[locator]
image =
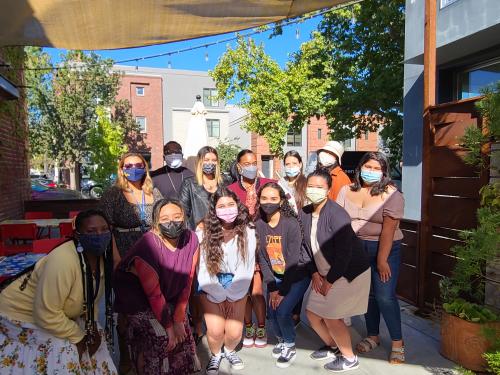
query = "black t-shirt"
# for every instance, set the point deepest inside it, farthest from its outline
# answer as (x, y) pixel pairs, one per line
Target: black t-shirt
(169, 180)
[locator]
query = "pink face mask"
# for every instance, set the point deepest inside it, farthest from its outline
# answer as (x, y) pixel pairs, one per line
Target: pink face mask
(227, 214)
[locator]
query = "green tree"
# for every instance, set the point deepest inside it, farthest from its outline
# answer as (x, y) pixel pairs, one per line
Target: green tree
(351, 71)
(227, 153)
(105, 142)
(64, 102)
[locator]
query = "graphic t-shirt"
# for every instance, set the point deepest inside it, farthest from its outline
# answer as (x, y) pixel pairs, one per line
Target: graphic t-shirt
(274, 248)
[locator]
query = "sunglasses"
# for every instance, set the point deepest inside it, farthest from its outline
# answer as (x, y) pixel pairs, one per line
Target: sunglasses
(131, 165)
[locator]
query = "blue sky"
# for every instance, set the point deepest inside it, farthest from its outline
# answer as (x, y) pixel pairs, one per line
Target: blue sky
(278, 47)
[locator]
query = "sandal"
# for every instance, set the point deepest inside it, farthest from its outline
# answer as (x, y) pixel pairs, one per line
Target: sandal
(366, 345)
(397, 356)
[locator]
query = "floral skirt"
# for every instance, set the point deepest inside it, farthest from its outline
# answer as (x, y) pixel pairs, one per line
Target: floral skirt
(26, 349)
(147, 338)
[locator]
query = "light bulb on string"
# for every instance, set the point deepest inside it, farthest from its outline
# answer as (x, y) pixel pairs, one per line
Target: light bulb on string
(297, 33)
(136, 64)
(169, 65)
(206, 56)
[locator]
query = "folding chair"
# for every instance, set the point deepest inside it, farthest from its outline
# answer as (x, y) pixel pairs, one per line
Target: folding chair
(45, 246)
(15, 237)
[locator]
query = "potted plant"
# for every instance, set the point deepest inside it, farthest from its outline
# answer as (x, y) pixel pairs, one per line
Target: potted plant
(470, 330)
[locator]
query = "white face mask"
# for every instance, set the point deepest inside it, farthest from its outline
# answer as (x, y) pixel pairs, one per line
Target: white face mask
(316, 195)
(326, 159)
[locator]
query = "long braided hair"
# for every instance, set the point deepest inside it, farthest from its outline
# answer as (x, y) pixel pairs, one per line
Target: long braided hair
(213, 235)
(89, 295)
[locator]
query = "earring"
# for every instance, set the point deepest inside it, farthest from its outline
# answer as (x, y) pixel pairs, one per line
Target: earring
(79, 248)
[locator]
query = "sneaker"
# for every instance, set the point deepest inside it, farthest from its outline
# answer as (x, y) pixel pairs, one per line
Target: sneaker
(341, 364)
(348, 322)
(288, 355)
(213, 365)
(325, 352)
(260, 338)
(249, 339)
(234, 360)
(277, 349)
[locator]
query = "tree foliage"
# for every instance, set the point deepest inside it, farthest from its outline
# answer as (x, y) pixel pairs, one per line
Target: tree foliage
(64, 103)
(227, 152)
(351, 71)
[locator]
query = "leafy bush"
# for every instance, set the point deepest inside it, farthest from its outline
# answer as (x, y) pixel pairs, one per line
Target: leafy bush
(470, 311)
(493, 360)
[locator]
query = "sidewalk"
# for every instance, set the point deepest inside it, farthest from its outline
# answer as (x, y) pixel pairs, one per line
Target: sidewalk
(421, 341)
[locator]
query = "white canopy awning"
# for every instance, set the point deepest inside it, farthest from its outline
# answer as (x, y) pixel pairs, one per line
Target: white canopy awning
(109, 24)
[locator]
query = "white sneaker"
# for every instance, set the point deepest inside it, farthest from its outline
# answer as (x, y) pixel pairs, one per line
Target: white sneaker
(249, 337)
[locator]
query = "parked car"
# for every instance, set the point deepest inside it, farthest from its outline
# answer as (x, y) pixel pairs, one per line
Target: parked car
(46, 182)
(90, 188)
(42, 192)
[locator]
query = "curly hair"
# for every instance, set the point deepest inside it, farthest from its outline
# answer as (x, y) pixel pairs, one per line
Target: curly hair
(213, 236)
(285, 208)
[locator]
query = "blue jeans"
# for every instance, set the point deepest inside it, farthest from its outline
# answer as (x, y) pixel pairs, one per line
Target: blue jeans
(383, 295)
(281, 318)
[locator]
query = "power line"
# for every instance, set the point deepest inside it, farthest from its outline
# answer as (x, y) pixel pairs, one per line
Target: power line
(259, 30)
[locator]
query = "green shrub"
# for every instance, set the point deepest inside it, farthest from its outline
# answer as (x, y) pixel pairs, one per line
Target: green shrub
(470, 311)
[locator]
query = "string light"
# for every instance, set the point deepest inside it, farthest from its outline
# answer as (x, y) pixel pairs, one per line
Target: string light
(206, 56)
(297, 33)
(260, 30)
(169, 65)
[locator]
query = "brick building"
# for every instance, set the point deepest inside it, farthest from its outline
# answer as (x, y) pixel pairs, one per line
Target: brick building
(14, 182)
(146, 99)
(311, 138)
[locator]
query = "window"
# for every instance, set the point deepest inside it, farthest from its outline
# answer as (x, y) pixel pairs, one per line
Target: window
(139, 91)
(472, 81)
(367, 134)
(445, 3)
(210, 98)
(347, 143)
(319, 133)
(213, 128)
(294, 139)
(141, 121)
(267, 165)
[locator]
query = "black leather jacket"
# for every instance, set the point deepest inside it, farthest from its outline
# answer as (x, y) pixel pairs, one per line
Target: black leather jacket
(195, 200)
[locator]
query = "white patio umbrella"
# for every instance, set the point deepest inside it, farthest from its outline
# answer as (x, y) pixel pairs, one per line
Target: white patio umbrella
(196, 134)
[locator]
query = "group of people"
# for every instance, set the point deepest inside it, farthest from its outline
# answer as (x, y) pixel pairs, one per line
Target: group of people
(179, 254)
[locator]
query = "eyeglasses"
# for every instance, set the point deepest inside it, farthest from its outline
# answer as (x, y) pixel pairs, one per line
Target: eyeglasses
(132, 165)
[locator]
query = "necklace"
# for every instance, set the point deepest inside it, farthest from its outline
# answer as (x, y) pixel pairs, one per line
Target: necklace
(172, 182)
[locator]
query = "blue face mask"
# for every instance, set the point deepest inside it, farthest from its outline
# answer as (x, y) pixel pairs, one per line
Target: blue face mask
(370, 177)
(134, 174)
(292, 171)
(95, 244)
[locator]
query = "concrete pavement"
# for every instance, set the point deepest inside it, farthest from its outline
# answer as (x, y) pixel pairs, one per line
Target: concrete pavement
(421, 342)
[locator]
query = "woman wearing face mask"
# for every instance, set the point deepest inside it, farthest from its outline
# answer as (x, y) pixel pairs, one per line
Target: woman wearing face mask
(195, 197)
(280, 237)
(196, 191)
(330, 159)
(340, 273)
(227, 263)
(152, 286)
(128, 205)
(246, 189)
(48, 315)
(376, 207)
(294, 182)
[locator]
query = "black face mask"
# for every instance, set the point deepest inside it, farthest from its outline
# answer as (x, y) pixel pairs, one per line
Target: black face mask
(95, 244)
(172, 229)
(270, 208)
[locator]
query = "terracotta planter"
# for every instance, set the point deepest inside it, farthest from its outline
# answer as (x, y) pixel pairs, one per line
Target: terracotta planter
(463, 342)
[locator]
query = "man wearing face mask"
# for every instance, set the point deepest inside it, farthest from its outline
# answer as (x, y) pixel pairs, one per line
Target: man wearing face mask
(168, 179)
(330, 159)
